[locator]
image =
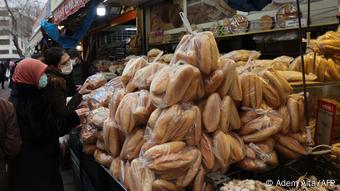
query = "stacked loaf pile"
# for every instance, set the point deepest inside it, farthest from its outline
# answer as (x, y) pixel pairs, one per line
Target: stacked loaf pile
(167, 125)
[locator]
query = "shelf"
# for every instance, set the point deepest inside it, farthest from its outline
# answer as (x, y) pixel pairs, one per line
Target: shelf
(114, 179)
(251, 33)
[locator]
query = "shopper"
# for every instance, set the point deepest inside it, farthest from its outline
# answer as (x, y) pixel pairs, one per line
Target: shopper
(10, 141)
(36, 167)
(58, 68)
(77, 62)
(2, 74)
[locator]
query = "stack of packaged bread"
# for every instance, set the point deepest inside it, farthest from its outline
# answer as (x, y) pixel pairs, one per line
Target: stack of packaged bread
(166, 125)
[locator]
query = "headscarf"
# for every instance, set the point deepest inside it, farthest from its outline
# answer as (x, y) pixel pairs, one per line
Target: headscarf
(29, 71)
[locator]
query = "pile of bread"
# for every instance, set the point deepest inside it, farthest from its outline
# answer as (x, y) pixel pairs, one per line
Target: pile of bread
(167, 125)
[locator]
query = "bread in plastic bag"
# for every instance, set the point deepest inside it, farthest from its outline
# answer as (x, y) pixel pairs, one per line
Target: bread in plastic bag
(296, 111)
(115, 167)
(134, 109)
(132, 145)
(170, 84)
(212, 112)
(184, 180)
(111, 138)
(89, 148)
(173, 124)
(99, 116)
(129, 72)
(100, 145)
(88, 134)
(95, 81)
(200, 50)
(143, 77)
(260, 156)
(242, 55)
(291, 146)
(141, 177)
(206, 148)
(102, 158)
(267, 124)
(99, 97)
(229, 85)
(252, 90)
(229, 117)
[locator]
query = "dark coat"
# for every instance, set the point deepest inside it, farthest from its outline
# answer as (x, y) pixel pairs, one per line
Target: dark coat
(37, 165)
(10, 141)
(56, 92)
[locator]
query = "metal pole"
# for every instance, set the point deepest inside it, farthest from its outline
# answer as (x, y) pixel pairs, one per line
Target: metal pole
(303, 65)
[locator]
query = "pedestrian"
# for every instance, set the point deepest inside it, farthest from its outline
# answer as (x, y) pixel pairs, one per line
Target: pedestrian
(37, 165)
(77, 62)
(2, 74)
(59, 67)
(10, 141)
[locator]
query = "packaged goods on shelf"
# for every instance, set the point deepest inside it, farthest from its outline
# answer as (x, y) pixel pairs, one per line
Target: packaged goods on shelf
(96, 81)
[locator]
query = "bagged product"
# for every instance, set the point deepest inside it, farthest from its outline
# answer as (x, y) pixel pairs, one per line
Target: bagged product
(242, 55)
(252, 91)
(134, 109)
(296, 111)
(173, 124)
(88, 134)
(103, 158)
(141, 178)
(197, 49)
(129, 72)
(111, 138)
(95, 81)
(99, 116)
(259, 156)
(132, 145)
(266, 123)
(144, 76)
(291, 146)
(170, 84)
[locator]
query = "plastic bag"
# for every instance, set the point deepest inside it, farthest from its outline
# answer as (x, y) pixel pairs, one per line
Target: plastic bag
(173, 124)
(95, 81)
(144, 76)
(259, 156)
(99, 97)
(111, 138)
(242, 55)
(88, 134)
(291, 146)
(171, 85)
(266, 124)
(129, 72)
(102, 158)
(296, 110)
(99, 116)
(252, 90)
(197, 49)
(141, 178)
(132, 145)
(134, 109)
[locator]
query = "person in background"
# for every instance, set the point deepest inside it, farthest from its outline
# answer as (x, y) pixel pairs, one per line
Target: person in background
(36, 167)
(2, 74)
(38, 56)
(10, 140)
(77, 62)
(59, 67)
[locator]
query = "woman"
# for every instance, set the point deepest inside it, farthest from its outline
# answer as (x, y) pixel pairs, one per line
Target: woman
(36, 166)
(10, 140)
(59, 85)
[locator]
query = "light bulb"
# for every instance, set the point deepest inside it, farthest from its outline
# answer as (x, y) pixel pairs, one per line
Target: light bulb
(101, 10)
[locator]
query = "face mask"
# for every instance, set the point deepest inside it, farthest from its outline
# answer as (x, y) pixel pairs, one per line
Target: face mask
(73, 62)
(67, 69)
(43, 81)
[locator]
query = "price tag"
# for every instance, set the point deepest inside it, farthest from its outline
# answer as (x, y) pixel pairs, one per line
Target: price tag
(295, 23)
(325, 122)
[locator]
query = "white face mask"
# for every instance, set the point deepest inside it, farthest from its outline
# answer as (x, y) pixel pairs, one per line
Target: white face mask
(67, 69)
(73, 62)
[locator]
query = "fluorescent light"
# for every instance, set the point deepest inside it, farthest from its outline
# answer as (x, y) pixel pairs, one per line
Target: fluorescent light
(60, 27)
(101, 10)
(130, 29)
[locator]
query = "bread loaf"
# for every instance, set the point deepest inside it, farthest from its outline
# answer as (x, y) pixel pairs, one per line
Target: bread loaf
(115, 167)
(129, 71)
(211, 113)
(221, 148)
(195, 131)
(199, 182)
(163, 185)
(163, 149)
(291, 144)
(229, 119)
(286, 152)
(141, 178)
(229, 70)
(102, 158)
(235, 90)
(183, 160)
(144, 76)
(185, 180)
(111, 138)
(283, 110)
(132, 145)
(236, 147)
(212, 82)
(206, 148)
(173, 124)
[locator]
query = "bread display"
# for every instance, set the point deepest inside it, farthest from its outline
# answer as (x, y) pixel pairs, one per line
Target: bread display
(199, 50)
(129, 72)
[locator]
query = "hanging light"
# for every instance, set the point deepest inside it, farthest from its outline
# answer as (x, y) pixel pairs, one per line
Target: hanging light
(101, 10)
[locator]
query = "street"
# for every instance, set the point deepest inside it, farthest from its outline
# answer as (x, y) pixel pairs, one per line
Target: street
(4, 93)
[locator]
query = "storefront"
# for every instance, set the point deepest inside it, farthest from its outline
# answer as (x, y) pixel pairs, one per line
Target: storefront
(208, 95)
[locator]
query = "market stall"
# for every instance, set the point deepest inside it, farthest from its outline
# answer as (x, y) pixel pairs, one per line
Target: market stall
(202, 118)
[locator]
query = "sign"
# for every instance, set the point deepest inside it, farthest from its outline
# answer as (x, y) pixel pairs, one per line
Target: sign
(67, 8)
(54, 4)
(325, 122)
